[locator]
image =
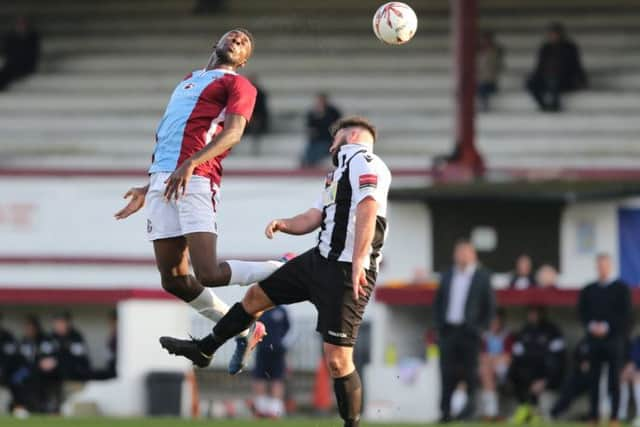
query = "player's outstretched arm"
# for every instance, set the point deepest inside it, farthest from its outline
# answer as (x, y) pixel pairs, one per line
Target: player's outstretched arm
(234, 125)
(137, 195)
(366, 214)
(297, 225)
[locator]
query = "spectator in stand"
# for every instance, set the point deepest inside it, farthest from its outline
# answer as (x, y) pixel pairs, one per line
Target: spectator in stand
(270, 369)
(488, 68)
(523, 275)
(495, 359)
(259, 124)
(547, 277)
(558, 69)
(579, 380)
(538, 363)
(463, 307)
(21, 52)
(321, 116)
(73, 353)
(41, 386)
(110, 370)
(605, 311)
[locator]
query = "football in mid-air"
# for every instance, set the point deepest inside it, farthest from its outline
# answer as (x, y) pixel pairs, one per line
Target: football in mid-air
(395, 23)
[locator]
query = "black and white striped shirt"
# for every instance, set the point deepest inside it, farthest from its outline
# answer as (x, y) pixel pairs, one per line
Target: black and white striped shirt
(360, 174)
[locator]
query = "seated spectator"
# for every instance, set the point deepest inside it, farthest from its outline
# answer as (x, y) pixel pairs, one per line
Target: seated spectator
(523, 275)
(538, 363)
(558, 70)
(495, 359)
(547, 277)
(21, 52)
(578, 382)
(321, 116)
(109, 371)
(73, 353)
(488, 68)
(259, 124)
(40, 387)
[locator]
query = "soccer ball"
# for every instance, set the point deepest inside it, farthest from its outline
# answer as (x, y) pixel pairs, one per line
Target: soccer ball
(395, 23)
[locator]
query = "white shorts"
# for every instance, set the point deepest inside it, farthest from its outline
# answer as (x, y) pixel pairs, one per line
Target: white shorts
(193, 212)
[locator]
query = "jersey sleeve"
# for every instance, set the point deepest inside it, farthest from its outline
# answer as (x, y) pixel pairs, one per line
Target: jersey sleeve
(368, 179)
(241, 97)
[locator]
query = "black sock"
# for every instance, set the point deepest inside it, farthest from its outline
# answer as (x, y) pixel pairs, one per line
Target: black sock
(348, 390)
(231, 324)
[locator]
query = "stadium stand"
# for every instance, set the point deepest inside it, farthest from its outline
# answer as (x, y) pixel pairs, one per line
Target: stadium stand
(108, 69)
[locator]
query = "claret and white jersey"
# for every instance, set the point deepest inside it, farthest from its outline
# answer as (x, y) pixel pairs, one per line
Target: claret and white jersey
(359, 174)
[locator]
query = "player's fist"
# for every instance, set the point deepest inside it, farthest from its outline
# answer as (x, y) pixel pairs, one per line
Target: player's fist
(137, 195)
(273, 227)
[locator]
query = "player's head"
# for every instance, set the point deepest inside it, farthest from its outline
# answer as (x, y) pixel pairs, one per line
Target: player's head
(351, 130)
(234, 48)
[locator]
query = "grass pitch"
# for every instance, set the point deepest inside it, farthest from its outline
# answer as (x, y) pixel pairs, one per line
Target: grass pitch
(174, 422)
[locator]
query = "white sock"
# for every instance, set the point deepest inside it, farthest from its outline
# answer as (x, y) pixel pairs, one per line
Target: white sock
(209, 305)
(261, 403)
(276, 407)
(624, 401)
(490, 403)
(636, 396)
(245, 273)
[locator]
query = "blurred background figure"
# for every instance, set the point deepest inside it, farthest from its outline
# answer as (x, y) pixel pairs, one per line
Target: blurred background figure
(260, 120)
(8, 362)
(558, 69)
(547, 277)
(463, 307)
(109, 371)
(21, 52)
(270, 370)
(488, 68)
(578, 382)
(538, 363)
(319, 119)
(73, 354)
(605, 311)
(523, 277)
(495, 359)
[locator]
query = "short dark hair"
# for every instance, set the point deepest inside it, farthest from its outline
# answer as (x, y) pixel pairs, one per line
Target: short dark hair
(248, 34)
(353, 121)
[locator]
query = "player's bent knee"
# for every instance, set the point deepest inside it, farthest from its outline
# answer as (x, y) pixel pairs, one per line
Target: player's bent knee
(339, 360)
(256, 300)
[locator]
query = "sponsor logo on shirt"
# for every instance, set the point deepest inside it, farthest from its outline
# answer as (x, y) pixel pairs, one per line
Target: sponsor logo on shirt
(188, 86)
(368, 180)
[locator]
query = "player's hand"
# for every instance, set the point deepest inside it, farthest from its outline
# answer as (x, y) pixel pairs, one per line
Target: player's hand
(178, 180)
(273, 227)
(359, 280)
(137, 195)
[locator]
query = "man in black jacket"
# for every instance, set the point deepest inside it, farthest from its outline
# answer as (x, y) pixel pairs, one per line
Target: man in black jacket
(605, 312)
(463, 308)
(558, 69)
(73, 353)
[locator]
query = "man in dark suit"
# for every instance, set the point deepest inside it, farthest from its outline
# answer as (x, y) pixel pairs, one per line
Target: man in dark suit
(463, 308)
(605, 312)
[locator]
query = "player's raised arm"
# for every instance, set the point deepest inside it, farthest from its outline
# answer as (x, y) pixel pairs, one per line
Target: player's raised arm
(297, 225)
(137, 195)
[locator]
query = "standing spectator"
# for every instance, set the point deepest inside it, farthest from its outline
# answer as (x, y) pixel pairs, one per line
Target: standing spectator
(270, 370)
(495, 359)
(259, 124)
(73, 353)
(489, 66)
(538, 363)
(547, 277)
(21, 52)
(558, 69)
(463, 307)
(605, 312)
(321, 116)
(579, 380)
(523, 275)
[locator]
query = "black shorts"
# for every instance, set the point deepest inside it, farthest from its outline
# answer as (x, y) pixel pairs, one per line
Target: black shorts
(270, 365)
(327, 285)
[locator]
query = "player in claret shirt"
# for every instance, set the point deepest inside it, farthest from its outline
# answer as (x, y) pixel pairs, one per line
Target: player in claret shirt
(206, 116)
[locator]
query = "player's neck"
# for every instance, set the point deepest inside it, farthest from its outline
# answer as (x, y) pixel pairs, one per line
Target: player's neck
(217, 65)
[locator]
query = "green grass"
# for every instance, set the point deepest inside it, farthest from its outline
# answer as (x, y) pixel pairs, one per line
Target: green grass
(173, 422)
